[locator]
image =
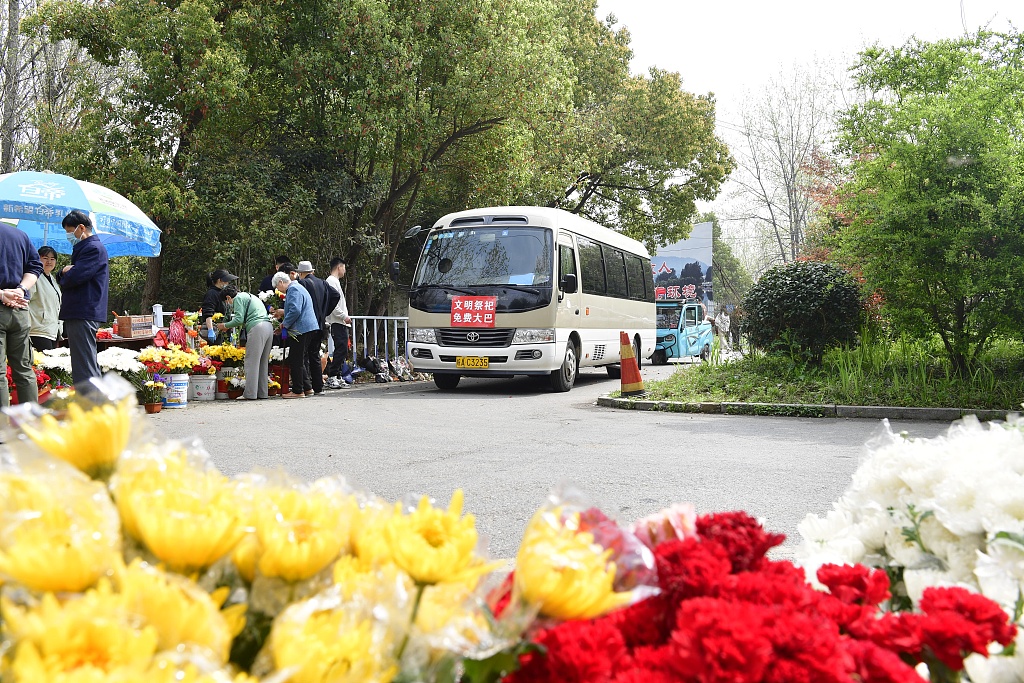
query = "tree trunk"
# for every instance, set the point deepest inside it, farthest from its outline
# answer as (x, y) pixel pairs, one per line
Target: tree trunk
(151, 293)
(12, 70)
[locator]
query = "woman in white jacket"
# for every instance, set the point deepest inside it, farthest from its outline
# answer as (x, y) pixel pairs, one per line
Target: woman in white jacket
(44, 306)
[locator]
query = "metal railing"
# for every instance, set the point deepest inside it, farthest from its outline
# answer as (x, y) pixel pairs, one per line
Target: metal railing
(380, 336)
(384, 335)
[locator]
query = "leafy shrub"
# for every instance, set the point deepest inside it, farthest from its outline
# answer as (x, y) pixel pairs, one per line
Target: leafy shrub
(803, 308)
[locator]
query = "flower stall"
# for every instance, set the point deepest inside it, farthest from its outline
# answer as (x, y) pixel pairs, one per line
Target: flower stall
(173, 364)
(231, 358)
(124, 557)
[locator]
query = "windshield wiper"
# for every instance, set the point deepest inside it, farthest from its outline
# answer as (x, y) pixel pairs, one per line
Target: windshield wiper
(419, 288)
(521, 288)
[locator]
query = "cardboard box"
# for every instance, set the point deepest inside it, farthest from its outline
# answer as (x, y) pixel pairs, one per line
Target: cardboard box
(134, 326)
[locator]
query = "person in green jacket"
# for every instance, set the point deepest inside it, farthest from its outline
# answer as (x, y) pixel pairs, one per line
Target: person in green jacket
(250, 314)
(44, 306)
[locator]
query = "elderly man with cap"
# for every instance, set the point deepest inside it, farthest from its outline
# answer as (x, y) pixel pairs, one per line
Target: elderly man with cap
(19, 268)
(317, 289)
(213, 303)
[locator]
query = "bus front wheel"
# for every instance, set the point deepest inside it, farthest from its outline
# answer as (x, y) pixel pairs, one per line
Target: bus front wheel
(564, 377)
(659, 358)
(446, 381)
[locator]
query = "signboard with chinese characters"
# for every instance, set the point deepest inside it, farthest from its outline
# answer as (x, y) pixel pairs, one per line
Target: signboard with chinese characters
(473, 311)
(683, 270)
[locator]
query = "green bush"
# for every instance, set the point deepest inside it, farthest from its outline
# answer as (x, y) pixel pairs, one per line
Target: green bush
(803, 308)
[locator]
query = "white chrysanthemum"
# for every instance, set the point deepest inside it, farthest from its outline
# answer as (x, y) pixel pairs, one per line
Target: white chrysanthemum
(56, 359)
(995, 668)
(119, 360)
(917, 580)
(1000, 571)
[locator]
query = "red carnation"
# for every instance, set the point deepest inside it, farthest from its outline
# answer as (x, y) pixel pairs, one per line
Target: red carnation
(776, 584)
(899, 633)
(646, 623)
(717, 641)
(806, 648)
(986, 614)
(856, 584)
(499, 597)
(950, 638)
(577, 651)
(874, 664)
(740, 535)
(642, 675)
(690, 568)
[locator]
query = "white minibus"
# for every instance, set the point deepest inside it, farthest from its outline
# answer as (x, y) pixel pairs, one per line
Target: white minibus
(522, 290)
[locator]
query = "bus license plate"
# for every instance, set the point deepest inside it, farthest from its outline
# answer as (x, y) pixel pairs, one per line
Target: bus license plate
(472, 361)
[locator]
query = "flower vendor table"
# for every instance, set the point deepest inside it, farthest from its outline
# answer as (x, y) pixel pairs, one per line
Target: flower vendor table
(137, 343)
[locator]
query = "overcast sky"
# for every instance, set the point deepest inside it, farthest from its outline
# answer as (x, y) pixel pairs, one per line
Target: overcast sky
(725, 46)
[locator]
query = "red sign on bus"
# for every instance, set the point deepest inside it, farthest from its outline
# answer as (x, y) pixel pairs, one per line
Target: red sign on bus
(473, 311)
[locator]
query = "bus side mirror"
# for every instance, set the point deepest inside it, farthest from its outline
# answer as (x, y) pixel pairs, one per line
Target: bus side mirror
(568, 284)
(393, 270)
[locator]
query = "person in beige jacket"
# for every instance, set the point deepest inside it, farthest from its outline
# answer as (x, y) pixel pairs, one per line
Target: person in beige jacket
(44, 307)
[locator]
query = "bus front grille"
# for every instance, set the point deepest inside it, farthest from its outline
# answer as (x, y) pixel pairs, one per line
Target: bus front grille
(460, 336)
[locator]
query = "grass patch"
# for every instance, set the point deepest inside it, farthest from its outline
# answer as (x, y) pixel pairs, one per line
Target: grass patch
(876, 373)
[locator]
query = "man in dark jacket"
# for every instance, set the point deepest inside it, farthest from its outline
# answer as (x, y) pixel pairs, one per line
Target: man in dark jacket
(84, 283)
(267, 284)
(317, 289)
(19, 268)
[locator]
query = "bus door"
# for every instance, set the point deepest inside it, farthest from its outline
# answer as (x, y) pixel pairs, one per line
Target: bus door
(567, 316)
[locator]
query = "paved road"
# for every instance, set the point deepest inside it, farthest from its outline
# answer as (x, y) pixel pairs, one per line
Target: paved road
(508, 442)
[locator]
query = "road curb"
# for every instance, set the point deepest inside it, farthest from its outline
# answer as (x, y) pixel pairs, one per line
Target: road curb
(802, 410)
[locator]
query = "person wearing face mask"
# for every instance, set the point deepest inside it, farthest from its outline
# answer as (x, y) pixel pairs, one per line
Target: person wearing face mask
(84, 285)
(213, 303)
(44, 307)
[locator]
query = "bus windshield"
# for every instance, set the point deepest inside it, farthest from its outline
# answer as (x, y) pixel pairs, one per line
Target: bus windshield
(486, 256)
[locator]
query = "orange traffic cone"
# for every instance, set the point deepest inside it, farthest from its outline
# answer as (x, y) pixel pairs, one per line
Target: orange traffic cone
(632, 383)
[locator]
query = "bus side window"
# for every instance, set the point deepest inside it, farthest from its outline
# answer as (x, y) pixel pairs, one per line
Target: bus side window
(615, 271)
(591, 265)
(635, 278)
(566, 261)
(648, 279)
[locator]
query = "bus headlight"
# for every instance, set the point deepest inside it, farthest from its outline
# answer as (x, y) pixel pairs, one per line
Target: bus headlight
(534, 335)
(423, 335)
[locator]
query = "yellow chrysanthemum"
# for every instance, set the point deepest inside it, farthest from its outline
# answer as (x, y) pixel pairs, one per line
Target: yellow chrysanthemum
(563, 571)
(167, 670)
(57, 533)
(91, 638)
(368, 540)
(450, 619)
(300, 532)
(180, 611)
(245, 556)
(331, 646)
(91, 439)
(373, 583)
(433, 545)
(188, 517)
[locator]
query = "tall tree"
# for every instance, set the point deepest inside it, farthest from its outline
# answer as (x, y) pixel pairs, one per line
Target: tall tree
(780, 129)
(936, 198)
(731, 279)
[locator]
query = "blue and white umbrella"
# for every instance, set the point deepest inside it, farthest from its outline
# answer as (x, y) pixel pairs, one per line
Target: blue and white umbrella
(39, 202)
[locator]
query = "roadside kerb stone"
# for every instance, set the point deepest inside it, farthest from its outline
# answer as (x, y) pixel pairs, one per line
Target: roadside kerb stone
(801, 410)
